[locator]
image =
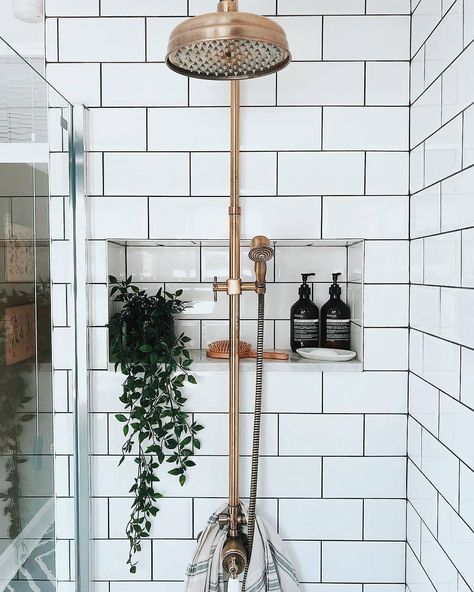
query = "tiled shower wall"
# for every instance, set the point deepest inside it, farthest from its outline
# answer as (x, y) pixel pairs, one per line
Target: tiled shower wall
(325, 155)
(441, 393)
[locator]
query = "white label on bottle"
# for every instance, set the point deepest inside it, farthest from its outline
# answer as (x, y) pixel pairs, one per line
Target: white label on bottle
(338, 330)
(306, 329)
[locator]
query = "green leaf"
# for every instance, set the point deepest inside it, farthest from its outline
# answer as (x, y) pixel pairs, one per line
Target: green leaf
(145, 348)
(191, 379)
(121, 418)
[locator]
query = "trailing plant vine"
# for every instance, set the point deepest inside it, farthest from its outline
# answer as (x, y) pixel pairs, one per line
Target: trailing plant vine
(13, 399)
(156, 364)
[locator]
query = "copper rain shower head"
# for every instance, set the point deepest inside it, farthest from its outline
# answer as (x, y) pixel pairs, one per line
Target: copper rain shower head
(228, 45)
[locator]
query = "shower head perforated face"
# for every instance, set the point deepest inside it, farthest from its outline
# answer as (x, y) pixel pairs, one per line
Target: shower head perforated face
(260, 250)
(228, 46)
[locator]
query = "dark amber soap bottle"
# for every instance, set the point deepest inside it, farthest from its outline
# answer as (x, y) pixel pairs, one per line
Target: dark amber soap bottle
(304, 319)
(335, 319)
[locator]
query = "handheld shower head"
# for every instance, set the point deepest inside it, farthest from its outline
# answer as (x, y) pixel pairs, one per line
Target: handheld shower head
(260, 252)
(260, 249)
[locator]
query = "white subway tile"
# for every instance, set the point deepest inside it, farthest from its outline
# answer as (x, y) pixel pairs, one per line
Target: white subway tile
(366, 38)
(416, 577)
(51, 40)
(365, 128)
(426, 212)
(468, 259)
(94, 180)
(82, 40)
(117, 129)
(413, 530)
(387, 83)
(385, 435)
(368, 217)
(441, 467)
(364, 477)
(115, 261)
(423, 496)
(425, 18)
(467, 377)
(146, 173)
(385, 349)
(387, 173)
(135, 85)
(303, 34)
(426, 114)
(457, 539)
(385, 306)
(215, 437)
(163, 264)
(337, 435)
(425, 308)
(98, 348)
(110, 560)
(80, 83)
(385, 520)
(468, 137)
(321, 7)
(444, 44)
(158, 32)
(423, 405)
(417, 168)
(171, 558)
(466, 498)
(369, 392)
(263, 128)
(458, 83)
(436, 563)
(98, 305)
(443, 152)
(174, 520)
(442, 259)
(119, 217)
(417, 75)
(468, 21)
(416, 351)
(210, 173)
(74, 8)
(441, 364)
(388, 7)
(215, 261)
(364, 562)
(321, 173)
(259, 91)
(417, 272)
(306, 557)
(457, 209)
(143, 7)
(455, 327)
(456, 428)
(386, 262)
(322, 519)
(289, 260)
(62, 354)
(321, 83)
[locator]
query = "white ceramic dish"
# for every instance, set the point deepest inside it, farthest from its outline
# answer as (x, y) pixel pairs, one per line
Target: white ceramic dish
(324, 354)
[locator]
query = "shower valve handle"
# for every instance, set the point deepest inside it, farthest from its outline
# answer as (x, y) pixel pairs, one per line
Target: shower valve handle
(214, 287)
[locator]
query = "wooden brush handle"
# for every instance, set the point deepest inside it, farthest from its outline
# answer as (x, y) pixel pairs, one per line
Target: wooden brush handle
(269, 355)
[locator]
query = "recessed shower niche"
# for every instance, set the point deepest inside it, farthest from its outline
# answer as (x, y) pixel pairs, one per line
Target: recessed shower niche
(192, 265)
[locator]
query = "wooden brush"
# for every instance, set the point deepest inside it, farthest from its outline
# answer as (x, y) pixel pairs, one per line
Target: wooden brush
(220, 349)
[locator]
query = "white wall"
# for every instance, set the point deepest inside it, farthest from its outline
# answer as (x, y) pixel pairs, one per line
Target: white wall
(325, 146)
(441, 404)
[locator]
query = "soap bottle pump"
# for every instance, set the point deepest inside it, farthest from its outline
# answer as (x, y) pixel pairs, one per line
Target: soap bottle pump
(304, 318)
(335, 319)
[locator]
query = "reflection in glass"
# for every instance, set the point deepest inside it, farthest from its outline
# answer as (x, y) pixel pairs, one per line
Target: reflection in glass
(27, 533)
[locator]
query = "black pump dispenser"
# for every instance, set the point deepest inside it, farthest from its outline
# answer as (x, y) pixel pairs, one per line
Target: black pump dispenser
(305, 290)
(335, 319)
(304, 318)
(335, 289)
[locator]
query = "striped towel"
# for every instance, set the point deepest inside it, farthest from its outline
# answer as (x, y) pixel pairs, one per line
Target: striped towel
(270, 569)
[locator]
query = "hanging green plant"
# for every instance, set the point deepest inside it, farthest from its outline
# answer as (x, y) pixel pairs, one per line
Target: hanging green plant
(157, 365)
